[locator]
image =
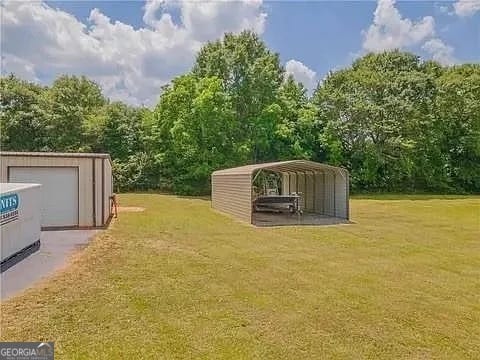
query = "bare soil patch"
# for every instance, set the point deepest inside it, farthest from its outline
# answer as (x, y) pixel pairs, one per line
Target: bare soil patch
(130, 209)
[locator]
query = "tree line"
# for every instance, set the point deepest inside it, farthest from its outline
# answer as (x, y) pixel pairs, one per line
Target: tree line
(397, 123)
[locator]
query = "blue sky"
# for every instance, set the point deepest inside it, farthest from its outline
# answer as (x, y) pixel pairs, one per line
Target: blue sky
(131, 63)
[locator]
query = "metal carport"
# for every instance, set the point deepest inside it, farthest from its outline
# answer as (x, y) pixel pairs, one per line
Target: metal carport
(325, 188)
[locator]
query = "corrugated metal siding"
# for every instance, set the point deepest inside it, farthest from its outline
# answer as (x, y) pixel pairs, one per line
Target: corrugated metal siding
(288, 183)
(324, 188)
(285, 184)
(319, 193)
(347, 179)
(306, 186)
(301, 189)
(108, 191)
(293, 183)
(309, 193)
(85, 179)
(329, 202)
(341, 179)
(98, 191)
(233, 194)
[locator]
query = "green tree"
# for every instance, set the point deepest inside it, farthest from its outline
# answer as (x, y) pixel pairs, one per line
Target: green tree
(23, 120)
(458, 126)
(375, 114)
(118, 130)
(251, 76)
(397, 123)
(197, 131)
(297, 128)
(73, 102)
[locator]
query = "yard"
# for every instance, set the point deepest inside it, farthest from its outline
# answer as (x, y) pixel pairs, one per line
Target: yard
(180, 280)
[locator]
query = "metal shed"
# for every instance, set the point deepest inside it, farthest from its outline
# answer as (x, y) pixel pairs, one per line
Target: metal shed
(324, 189)
(76, 187)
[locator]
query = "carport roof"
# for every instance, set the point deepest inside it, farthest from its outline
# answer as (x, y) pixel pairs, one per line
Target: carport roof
(280, 166)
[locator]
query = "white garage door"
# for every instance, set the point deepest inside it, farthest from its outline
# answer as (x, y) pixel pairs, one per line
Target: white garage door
(59, 192)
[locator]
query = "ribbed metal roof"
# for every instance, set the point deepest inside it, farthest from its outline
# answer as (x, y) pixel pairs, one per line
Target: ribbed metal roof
(54, 154)
(280, 166)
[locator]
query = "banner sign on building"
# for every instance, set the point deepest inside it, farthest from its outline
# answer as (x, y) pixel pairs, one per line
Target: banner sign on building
(8, 208)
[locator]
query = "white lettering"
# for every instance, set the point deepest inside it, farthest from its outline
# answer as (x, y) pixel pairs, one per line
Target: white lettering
(13, 352)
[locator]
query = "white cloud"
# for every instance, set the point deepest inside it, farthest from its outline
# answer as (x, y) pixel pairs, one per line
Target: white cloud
(444, 9)
(440, 51)
(18, 66)
(301, 73)
(390, 31)
(41, 42)
(466, 7)
(229, 16)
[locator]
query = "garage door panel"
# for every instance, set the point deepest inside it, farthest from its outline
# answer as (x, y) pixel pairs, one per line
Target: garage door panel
(59, 190)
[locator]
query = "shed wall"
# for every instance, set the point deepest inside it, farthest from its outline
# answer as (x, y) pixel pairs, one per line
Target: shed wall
(329, 199)
(309, 192)
(98, 191)
(341, 196)
(324, 192)
(232, 194)
(107, 189)
(89, 193)
(285, 184)
(319, 192)
(293, 182)
(85, 192)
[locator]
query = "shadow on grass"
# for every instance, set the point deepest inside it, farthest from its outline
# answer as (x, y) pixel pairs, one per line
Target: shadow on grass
(371, 196)
(411, 196)
(200, 197)
(153, 192)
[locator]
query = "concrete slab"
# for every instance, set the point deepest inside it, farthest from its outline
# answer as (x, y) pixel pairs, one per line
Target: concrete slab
(55, 248)
(285, 219)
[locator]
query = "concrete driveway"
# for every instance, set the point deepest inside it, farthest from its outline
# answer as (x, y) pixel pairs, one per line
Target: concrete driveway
(55, 248)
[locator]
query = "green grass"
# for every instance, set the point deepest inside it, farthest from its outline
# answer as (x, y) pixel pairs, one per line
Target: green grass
(393, 196)
(182, 281)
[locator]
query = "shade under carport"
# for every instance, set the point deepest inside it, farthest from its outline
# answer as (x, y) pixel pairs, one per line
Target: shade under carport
(325, 188)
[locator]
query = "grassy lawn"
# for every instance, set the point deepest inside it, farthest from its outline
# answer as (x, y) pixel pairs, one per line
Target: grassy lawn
(182, 281)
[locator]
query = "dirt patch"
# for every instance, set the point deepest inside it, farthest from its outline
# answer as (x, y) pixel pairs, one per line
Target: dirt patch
(130, 209)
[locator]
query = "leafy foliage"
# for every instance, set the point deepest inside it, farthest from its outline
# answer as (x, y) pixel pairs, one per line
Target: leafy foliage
(23, 117)
(72, 102)
(395, 122)
(198, 133)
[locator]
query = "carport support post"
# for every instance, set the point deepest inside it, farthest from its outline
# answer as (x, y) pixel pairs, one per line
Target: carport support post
(256, 175)
(296, 182)
(289, 183)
